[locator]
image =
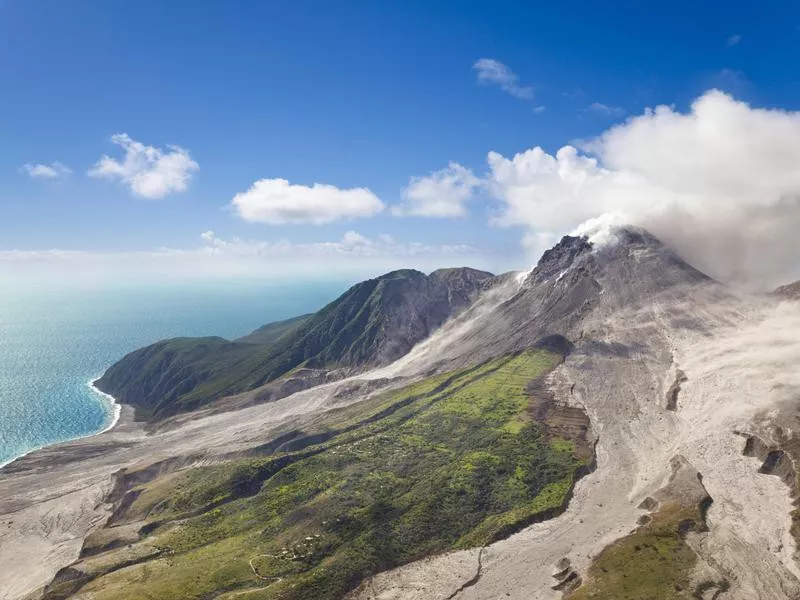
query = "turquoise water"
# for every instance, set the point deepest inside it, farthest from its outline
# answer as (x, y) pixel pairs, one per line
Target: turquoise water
(52, 344)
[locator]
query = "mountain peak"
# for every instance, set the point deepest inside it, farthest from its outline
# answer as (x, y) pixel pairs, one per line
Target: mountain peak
(559, 258)
(607, 250)
(633, 253)
(628, 262)
(632, 235)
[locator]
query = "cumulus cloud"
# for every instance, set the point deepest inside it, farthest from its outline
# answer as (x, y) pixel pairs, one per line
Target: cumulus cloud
(149, 172)
(493, 72)
(721, 183)
(443, 193)
(278, 202)
(41, 171)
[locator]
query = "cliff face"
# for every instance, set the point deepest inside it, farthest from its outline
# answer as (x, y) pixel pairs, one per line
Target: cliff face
(373, 323)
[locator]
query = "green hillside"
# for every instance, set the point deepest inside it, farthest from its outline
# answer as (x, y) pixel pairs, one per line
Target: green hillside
(454, 461)
(374, 322)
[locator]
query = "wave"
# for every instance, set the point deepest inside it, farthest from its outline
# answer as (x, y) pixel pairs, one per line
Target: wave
(116, 407)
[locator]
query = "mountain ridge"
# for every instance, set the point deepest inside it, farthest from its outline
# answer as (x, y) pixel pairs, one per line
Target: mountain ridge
(372, 323)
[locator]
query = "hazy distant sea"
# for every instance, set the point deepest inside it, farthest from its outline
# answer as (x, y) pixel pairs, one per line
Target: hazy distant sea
(53, 344)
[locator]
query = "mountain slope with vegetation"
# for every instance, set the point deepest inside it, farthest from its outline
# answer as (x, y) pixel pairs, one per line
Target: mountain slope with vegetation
(272, 332)
(457, 460)
(373, 323)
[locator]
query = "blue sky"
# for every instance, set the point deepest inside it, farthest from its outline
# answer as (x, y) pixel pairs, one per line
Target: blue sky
(352, 95)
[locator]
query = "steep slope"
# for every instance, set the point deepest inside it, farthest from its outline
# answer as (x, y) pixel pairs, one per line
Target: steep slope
(371, 324)
(378, 320)
(271, 332)
(180, 374)
(572, 282)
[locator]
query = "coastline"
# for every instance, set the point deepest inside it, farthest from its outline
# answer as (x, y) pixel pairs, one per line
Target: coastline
(116, 411)
(116, 407)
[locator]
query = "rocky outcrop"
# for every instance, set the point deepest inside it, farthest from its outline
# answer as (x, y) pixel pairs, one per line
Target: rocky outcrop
(675, 389)
(566, 577)
(558, 259)
(777, 458)
(685, 489)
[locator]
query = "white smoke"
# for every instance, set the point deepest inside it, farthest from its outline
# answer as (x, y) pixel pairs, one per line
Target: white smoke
(720, 183)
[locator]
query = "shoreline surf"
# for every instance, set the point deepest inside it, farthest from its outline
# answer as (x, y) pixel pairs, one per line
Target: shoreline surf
(116, 407)
(115, 412)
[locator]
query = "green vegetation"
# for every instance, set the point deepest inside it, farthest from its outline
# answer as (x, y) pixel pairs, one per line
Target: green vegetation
(653, 563)
(794, 529)
(451, 462)
(181, 374)
(374, 322)
(272, 332)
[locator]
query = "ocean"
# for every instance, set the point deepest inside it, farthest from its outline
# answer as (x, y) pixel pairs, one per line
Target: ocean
(53, 344)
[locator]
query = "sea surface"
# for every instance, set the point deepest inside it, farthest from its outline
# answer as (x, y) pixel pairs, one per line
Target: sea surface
(54, 343)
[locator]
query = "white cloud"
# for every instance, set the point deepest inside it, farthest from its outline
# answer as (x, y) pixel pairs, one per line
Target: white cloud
(493, 72)
(42, 171)
(351, 245)
(149, 172)
(353, 257)
(277, 202)
(720, 182)
(606, 110)
(733, 40)
(539, 109)
(443, 193)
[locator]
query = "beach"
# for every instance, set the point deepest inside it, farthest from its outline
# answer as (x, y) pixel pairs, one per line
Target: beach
(52, 498)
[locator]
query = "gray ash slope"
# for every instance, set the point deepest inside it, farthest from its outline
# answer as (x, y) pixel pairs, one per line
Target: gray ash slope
(372, 324)
(638, 319)
(571, 282)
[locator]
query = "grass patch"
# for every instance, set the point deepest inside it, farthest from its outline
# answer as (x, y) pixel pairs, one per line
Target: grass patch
(653, 563)
(450, 462)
